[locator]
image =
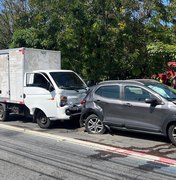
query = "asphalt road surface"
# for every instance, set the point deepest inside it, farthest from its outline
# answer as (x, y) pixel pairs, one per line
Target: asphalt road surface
(35, 156)
(139, 142)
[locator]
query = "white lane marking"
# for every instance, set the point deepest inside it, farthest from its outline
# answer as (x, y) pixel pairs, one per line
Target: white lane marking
(143, 156)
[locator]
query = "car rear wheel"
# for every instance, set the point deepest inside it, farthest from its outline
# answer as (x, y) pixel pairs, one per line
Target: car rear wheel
(94, 125)
(3, 112)
(172, 133)
(42, 120)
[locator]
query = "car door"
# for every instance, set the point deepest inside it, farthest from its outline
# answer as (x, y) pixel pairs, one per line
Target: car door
(107, 97)
(141, 115)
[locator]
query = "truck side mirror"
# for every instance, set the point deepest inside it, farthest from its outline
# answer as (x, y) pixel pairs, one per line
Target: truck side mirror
(50, 87)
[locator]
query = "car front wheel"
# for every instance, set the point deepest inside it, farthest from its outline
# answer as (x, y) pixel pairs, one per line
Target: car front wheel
(94, 125)
(172, 133)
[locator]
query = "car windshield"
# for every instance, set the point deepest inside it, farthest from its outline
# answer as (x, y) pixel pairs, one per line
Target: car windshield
(68, 80)
(163, 90)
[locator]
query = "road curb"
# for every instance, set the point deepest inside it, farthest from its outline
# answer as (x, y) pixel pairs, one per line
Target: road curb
(161, 160)
(139, 155)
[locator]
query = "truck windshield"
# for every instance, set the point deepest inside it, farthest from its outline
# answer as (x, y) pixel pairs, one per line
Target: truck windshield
(163, 90)
(68, 80)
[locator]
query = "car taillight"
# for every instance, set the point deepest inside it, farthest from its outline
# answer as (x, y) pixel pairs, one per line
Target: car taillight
(83, 102)
(63, 101)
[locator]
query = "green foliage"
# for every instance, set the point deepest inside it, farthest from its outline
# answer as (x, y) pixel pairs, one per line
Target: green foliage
(159, 48)
(99, 39)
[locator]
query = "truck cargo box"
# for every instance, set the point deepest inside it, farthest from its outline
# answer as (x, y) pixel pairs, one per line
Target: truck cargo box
(15, 62)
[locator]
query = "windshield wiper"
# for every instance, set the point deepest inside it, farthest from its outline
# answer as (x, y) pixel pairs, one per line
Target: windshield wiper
(69, 88)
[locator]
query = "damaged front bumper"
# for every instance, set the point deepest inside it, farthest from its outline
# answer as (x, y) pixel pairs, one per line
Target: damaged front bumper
(74, 110)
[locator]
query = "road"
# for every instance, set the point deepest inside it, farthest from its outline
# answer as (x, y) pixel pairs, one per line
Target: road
(25, 156)
(38, 154)
(144, 143)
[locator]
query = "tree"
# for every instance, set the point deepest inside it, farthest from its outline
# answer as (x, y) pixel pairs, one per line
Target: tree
(10, 12)
(99, 39)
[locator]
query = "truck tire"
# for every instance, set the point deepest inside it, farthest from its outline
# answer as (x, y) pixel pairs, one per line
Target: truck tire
(42, 120)
(3, 112)
(172, 133)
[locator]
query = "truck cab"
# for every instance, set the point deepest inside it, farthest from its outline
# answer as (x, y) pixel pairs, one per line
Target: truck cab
(53, 95)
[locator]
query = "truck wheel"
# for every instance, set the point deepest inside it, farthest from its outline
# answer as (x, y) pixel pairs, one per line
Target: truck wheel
(94, 125)
(3, 112)
(172, 133)
(43, 121)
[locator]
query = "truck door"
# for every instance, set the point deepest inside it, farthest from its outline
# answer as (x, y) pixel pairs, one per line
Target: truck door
(39, 93)
(4, 76)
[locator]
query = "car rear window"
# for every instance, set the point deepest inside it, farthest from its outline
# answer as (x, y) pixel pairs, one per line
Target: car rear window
(112, 92)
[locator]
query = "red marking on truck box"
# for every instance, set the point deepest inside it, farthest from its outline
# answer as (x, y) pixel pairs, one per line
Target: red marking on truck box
(22, 51)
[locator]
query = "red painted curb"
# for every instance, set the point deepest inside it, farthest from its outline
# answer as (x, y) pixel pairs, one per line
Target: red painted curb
(158, 159)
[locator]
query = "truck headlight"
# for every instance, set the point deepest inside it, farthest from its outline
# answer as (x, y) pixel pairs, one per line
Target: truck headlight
(63, 101)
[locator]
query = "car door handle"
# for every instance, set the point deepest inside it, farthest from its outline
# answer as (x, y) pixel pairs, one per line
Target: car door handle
(128, 104)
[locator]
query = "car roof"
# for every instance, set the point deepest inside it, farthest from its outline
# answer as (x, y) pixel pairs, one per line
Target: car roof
(131, 81)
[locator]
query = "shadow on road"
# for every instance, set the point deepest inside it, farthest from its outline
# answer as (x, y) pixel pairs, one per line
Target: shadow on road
(140, 135)
(70, 124)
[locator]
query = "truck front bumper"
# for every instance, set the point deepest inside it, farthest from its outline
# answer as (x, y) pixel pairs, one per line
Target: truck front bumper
(74, 110)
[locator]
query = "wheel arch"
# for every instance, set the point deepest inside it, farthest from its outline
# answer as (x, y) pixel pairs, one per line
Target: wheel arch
(168, 125)
(87, 112)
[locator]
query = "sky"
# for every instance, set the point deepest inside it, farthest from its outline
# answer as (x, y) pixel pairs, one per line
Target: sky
(166, 2)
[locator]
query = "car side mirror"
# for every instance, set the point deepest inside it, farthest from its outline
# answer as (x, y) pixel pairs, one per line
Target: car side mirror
(151, 101)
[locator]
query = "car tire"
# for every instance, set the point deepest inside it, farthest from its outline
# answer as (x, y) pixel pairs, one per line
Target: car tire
(82, 122)
(3, 112)
(42, 120)
(94, 125)
(172, 133)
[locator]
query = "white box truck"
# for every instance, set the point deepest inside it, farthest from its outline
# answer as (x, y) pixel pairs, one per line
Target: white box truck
(32, 83)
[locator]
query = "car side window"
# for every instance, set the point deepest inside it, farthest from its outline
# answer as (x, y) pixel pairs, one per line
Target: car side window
(133, 93)
(111, 92)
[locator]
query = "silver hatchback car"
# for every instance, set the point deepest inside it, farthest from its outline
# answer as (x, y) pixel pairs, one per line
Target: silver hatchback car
(137, 105)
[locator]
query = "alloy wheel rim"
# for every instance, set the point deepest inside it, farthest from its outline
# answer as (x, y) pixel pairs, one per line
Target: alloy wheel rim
(174, 133)
(95, 125)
